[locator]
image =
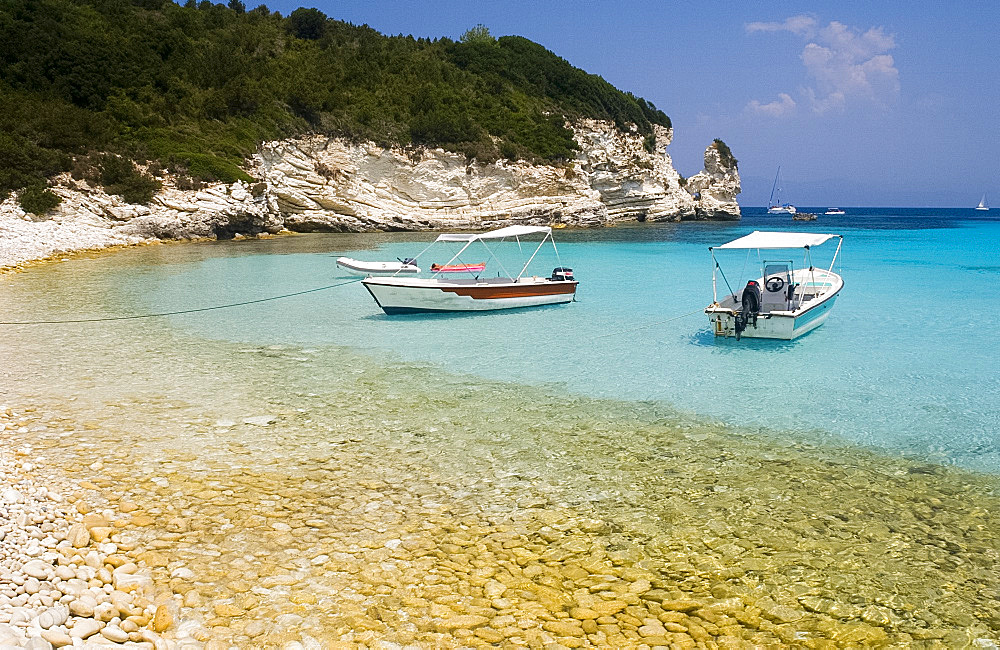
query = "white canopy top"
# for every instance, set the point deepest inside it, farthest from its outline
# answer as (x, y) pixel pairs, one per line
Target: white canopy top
(760, 239)
(509, 231)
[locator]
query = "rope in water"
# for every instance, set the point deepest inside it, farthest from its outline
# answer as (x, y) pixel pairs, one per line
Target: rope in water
(648, 325)
(178, 312)
(104, 319)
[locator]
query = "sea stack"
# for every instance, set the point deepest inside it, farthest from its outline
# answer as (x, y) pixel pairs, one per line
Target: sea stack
(715, 188)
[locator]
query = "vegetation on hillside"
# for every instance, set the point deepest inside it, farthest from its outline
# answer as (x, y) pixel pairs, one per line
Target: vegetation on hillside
(90, 86)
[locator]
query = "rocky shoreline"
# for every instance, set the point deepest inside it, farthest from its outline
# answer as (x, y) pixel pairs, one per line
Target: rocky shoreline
(321, 184)
(69, 574)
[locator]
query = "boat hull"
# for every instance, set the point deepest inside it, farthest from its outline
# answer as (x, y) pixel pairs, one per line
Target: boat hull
(402, 295)
(773, 326)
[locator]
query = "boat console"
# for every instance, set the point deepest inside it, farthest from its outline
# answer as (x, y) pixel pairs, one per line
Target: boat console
(777, 281)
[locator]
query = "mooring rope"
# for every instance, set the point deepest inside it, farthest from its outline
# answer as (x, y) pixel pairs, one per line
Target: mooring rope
(648, 325)
(178, 312)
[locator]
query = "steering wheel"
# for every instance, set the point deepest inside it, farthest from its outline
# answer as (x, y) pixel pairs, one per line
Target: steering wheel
(774, 283)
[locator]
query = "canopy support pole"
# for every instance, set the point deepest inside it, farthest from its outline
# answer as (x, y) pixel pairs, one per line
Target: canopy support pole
(715, 265)
(525, 267)
(495, 258)
(455, 257)
(416, 257)
(839, 244)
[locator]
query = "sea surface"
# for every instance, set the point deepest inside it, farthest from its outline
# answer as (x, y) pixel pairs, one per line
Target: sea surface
(330, 473)
(906, 364)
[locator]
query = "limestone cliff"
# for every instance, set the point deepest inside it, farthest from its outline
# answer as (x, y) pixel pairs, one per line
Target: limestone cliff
(325, 184)
(328, 184)
(715, 188)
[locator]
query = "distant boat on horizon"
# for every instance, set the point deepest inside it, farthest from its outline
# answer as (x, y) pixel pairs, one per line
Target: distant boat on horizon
(834, 211)
(983, 204)
(774, 204)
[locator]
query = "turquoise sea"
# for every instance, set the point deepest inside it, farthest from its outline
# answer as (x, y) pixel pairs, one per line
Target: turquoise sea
(605, 473)
(906, 364)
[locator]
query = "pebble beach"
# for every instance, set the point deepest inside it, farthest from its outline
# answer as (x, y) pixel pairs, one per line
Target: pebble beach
(68, 573)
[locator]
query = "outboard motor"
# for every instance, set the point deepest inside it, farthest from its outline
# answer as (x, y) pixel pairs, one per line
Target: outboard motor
(749, 309)
(562, 273)
(407, 260)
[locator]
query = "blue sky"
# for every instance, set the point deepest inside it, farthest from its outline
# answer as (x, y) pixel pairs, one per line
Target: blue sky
(861, 103)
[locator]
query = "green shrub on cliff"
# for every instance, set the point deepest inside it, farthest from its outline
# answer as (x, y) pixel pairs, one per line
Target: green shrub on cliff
(198, 87)
(725, 153)
(38, 199)
(120, 176)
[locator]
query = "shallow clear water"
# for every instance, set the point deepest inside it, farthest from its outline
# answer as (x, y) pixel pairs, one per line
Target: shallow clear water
(904, 364)
(573, 454)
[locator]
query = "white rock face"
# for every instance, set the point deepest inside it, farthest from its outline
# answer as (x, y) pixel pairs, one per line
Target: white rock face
(90, 218)
(631, 182)
(329, 184)
(716, 187)
(326, 184)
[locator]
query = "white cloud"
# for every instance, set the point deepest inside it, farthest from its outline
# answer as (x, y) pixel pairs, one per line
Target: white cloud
(845, 64)
(782, 106)
(802, 24)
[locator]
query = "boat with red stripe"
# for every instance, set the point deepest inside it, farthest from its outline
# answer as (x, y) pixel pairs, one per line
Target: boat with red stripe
(478, 292)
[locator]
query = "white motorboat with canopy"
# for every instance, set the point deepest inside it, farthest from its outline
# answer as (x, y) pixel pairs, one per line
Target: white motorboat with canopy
(784, 302)
(443, 291)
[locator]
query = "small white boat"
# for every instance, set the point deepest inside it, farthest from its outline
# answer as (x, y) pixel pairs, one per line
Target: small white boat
(784, 302)
(983, 204)
(398, 295)
(358, 267)
(834, 211)
(774, 204)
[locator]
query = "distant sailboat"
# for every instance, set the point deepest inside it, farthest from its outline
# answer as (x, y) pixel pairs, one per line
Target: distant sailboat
(774, 204)
(983, 204)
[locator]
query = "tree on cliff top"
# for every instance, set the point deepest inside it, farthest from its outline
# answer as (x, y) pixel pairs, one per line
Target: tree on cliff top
(307, 23)
(478, 34)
